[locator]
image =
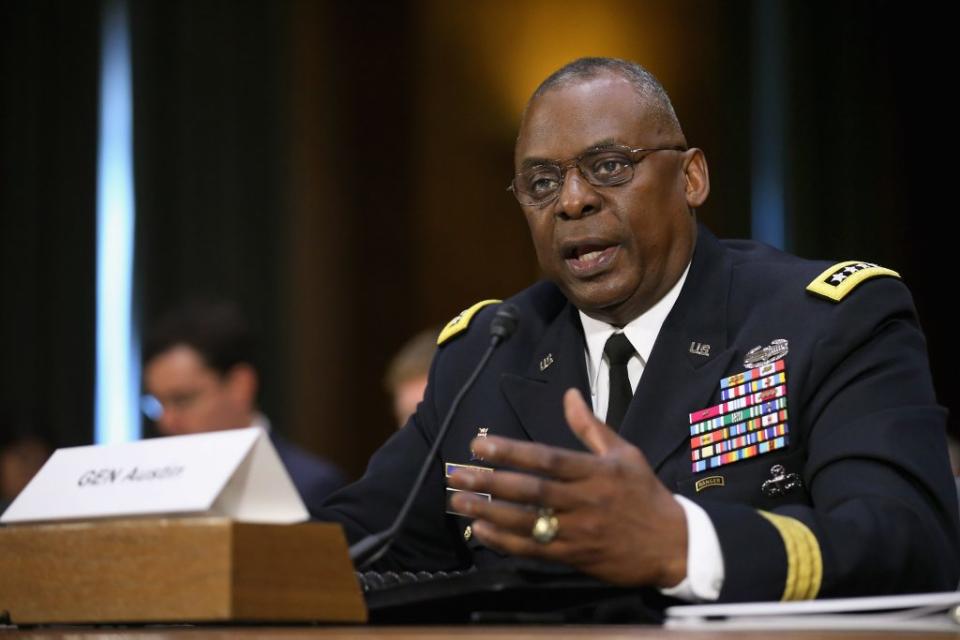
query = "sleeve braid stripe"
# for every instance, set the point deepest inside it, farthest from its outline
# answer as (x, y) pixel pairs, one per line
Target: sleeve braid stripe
(804, 562)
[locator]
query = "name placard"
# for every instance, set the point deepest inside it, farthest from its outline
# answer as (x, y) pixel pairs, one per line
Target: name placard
(235, 473)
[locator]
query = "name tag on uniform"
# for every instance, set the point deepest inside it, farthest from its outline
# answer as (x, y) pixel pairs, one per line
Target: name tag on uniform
(449, 468)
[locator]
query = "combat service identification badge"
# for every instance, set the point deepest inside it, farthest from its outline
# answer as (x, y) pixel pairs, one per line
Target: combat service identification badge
(759, 356)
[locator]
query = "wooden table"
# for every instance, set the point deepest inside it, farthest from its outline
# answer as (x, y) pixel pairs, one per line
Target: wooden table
(609, 632)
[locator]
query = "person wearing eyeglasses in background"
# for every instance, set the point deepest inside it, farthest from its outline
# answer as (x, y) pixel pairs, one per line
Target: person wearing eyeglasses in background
(714, 418)
(200, 375)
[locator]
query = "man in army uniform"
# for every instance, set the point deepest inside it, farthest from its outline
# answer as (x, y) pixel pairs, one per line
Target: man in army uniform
(717, 419)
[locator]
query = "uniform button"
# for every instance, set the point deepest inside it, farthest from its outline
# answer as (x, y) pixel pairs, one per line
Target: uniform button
(467, 533)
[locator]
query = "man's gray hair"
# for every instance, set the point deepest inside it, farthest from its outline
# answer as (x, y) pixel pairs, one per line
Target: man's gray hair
(646, 85)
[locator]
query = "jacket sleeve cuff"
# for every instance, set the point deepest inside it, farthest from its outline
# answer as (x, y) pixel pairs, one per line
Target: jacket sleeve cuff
(704, 577)
(766, 556)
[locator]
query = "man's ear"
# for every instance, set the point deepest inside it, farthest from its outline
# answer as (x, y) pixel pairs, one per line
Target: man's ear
(242, 383)
(697, 177)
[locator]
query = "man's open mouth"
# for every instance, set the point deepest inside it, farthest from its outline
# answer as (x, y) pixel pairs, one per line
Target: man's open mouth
(590, 258)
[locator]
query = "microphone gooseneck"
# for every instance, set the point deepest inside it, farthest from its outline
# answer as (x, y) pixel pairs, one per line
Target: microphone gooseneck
(372, 547)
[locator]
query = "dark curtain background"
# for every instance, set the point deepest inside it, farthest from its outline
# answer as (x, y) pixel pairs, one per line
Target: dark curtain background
(353, 240)
(868, 132)
(49, 58)
(209, 161)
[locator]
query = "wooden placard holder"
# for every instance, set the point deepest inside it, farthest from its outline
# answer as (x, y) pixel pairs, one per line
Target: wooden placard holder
(177, 570)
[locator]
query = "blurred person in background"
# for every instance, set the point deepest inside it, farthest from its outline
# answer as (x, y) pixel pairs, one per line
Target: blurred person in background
(22, 453)
(406, 377)
(200, 374)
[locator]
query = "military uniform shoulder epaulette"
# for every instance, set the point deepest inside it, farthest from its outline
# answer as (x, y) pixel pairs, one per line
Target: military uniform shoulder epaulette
(462, 320)
(838, 281)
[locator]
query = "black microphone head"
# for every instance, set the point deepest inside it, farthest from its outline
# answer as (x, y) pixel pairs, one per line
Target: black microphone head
(505, 321)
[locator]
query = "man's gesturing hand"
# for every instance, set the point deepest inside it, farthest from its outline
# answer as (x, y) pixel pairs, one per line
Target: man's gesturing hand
(616, 520)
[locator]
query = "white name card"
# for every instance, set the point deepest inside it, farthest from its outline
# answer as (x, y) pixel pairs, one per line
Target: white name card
(235, 473)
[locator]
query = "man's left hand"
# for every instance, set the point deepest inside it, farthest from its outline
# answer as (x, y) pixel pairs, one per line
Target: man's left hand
(616, 520)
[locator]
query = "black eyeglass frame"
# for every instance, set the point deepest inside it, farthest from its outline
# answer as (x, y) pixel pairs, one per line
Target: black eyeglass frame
(565, 165)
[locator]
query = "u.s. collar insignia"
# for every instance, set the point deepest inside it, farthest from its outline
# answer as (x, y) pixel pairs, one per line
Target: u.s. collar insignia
(546, 362)
(780, 482)
(699, 349)
(759, 356)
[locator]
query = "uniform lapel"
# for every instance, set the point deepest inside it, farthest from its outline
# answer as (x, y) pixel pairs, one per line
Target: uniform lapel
(557, 365)
(677, 381)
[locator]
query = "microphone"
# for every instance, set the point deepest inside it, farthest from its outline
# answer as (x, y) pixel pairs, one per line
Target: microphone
(372, 547)
(504, 322)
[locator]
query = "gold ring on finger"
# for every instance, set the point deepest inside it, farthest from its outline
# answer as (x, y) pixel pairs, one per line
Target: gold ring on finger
(546, 527)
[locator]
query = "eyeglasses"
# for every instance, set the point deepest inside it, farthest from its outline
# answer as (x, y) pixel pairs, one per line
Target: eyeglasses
(153, 407)
(606, 166)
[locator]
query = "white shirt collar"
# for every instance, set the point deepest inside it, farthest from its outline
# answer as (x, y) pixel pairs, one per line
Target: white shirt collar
(642, 331)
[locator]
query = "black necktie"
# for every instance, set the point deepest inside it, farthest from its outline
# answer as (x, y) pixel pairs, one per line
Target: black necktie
(618, 351)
